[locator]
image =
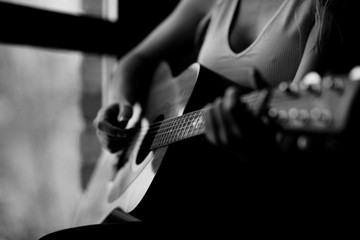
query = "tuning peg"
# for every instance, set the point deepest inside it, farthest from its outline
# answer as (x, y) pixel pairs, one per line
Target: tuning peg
(334, 82)
(354, 74)
(280, 116)
(327, 82)
(312, 83)
(302, 143)
(298, 117)
(320, 117)
(314, 88)
(339, 84)
(283, 86)
(290, 88)
(284, 141)
(312, 78)
(273, 113)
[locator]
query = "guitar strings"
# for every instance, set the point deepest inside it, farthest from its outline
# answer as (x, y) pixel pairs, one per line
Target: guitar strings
(158, 131)
(167, 126)
(179, 130)
(164, 139)
(247, 99)
(159, 139)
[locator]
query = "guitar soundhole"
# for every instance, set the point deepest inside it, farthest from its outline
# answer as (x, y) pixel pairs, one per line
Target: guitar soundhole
(148, 140)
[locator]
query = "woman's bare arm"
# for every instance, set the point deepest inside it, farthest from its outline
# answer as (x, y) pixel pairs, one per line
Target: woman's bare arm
(175, 32)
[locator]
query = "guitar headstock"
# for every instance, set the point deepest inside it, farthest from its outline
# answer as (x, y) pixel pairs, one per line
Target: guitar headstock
(323, 108)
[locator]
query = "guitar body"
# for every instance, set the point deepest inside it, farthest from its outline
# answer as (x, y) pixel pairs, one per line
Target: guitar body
(152, 182)
(190, 171)
(195, 178)
(167, 98)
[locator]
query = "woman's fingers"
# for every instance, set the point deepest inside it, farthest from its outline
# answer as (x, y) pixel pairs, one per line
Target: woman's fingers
(110, 130)
(112, 144)
(110, 124)
(125, 113)
(223, 119)
(211, 125)
(232, 111)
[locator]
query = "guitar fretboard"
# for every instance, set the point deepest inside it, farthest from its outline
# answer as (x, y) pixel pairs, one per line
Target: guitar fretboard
(188, 125)
(179, 128)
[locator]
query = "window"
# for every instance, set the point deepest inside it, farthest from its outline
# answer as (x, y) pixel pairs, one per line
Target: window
(66, 6)
(54, 57)
(105, 9)
(49, 96)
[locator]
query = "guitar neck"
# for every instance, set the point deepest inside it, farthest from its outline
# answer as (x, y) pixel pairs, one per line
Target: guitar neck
(179, 128)
(188, 125)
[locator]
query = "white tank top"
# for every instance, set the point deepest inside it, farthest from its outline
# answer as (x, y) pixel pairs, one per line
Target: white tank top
(276, 52)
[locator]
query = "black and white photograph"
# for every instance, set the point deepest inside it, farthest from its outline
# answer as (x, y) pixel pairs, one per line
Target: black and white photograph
(179, 119)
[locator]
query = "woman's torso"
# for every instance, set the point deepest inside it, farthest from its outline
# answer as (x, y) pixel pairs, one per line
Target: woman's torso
(268, 36)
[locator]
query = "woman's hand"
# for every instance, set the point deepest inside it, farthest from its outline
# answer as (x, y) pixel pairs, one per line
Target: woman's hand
(230, 124)
(222, 119)
(110, 124)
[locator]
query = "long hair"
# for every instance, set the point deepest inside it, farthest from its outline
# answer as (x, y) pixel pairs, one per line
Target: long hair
(325, 19)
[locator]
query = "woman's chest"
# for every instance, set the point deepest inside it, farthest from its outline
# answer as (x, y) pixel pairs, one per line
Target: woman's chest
(249, 19)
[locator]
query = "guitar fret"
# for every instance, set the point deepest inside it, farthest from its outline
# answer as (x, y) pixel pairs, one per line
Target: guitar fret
(193, 124)
(197, 125)
(179, 128)
(171, 131)
(165, 134)
(163, 137)
(162, 134)
(188, 125)
(159, 137)
(183, 122)
(174, 133)
(155, 142)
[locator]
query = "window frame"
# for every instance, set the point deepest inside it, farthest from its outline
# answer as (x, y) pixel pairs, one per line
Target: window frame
(50, 29)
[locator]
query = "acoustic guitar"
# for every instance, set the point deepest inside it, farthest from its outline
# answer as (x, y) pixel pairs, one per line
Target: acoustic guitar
(170, 132)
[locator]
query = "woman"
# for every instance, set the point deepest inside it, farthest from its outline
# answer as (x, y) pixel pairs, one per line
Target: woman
(280, 40)
(254, 43)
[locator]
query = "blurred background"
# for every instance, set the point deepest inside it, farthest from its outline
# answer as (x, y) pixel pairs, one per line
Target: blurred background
(55, 57)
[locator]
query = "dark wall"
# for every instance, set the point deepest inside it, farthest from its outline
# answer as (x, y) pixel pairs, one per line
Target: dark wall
(136, 19)
(342, 57)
